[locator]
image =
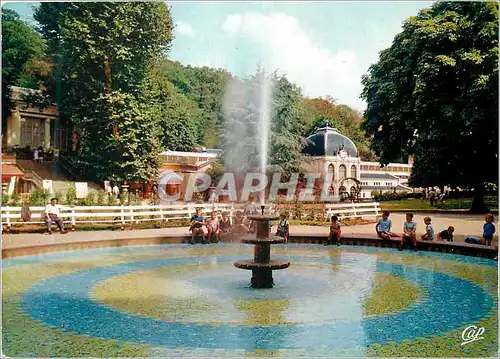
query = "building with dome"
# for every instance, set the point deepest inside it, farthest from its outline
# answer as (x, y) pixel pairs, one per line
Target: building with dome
(332, 153)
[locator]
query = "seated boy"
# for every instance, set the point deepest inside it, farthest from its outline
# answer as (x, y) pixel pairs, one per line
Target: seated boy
(225, 223)
(409, 232)
(447, 234)
(239, 225)
(334, 236)
(283, 227)
(213, 228)
(197, 226)
(429, 230)
(383, 226)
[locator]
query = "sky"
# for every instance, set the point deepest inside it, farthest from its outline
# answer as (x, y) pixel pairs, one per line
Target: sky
(323, 47)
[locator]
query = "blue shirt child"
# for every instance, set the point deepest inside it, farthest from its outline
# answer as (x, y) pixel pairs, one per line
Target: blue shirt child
(384, 225)
(488, 229)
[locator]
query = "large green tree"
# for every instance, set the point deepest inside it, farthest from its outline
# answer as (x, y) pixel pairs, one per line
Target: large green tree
(102, 53)
(22, 49)
(177, 116)
(434, 94)
(205, 86)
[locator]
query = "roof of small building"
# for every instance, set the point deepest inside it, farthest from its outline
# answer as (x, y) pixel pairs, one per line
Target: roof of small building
(380, 175)
(327, 141)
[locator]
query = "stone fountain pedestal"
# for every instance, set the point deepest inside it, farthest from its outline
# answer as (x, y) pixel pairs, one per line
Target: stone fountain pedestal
(262, 265)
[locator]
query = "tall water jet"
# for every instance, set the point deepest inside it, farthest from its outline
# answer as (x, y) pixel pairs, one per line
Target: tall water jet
(247, 115)
(265, 122)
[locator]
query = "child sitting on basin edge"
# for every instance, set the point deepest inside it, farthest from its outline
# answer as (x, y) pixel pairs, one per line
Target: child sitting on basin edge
(447, 234)
(197, 226)
(409, 232)
(334, 236)
(225, 223)
(213, 228)
(383, 226)
(429, 230)
(283, 227)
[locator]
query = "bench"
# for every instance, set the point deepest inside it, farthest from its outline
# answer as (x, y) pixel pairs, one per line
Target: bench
(353, 210)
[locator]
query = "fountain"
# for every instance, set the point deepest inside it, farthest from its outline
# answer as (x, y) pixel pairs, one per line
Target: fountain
(262, 265)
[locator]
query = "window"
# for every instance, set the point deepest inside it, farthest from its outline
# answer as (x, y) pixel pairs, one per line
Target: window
(32, 131)
(353, 171)
(331, 171)
(364, 194)
(342, 172)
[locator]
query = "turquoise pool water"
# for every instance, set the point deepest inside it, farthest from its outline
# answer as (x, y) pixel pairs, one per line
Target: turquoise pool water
(176, 300)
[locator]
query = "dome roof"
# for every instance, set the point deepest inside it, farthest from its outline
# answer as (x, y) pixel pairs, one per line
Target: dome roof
(327, 141)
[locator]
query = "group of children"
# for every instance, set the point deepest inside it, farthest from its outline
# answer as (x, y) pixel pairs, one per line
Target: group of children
(211, 229)
(409, 235)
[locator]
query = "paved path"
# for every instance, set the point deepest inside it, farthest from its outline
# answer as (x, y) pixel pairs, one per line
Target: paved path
(464, 225)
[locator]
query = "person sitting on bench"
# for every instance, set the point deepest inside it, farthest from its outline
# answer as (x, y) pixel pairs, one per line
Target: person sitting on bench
(52, 211)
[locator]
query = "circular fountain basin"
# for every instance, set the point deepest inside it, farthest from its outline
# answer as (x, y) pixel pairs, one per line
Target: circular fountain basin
(180, 301)
(274, 264)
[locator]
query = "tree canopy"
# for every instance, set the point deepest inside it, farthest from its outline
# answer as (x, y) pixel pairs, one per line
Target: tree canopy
(22, 49)
(103, 52)
(434, 94)
(106, 69)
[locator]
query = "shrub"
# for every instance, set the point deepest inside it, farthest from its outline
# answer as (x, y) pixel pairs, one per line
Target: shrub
(5, 199)
(39, 197)
(101, 195)
(71, 195)
(90, 200)
(15, 199)
(392, 196)
(297, 210)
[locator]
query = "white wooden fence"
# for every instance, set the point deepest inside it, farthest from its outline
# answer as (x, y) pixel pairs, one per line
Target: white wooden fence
(353, 210)
(130, 214)
(116, 214)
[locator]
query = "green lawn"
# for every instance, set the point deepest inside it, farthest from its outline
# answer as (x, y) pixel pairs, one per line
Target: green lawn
(419, 204)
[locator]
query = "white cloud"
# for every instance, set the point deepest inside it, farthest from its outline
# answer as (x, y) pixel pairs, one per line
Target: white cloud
(288, 47)
(185, 29)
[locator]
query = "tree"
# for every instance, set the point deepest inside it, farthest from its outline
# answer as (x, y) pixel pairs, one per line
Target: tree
(434, 94)
(22, 48)
(204, 86)
(103, 53)
(177, 116)
(287, 127)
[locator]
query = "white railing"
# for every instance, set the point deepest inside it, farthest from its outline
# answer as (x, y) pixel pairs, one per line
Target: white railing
(117, 214)
(353, 210)
(130, 214)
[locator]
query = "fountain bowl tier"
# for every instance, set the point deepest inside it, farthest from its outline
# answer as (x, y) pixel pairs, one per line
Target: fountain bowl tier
(265, 217)
(262, 266)
(251, 239)
(274, 264)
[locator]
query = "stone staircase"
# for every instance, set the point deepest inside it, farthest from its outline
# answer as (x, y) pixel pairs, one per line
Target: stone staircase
(61, 179)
